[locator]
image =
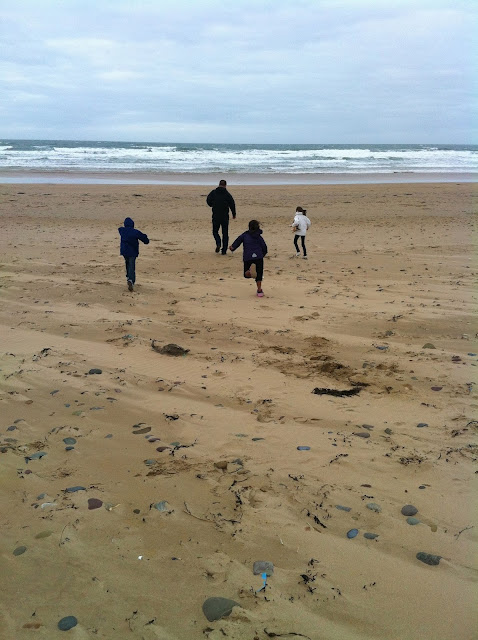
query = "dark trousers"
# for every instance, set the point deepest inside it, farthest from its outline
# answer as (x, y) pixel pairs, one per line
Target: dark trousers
(221, 222)
(259, 262)
(296, 244)
(130, 264)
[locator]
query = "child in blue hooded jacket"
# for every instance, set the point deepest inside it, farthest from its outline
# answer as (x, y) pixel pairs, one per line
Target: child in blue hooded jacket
(254, 251)
(129, 249)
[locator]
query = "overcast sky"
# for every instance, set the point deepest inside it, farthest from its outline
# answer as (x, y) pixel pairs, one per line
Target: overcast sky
(316, 71)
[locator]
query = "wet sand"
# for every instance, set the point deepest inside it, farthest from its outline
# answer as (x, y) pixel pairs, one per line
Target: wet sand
(381, 318)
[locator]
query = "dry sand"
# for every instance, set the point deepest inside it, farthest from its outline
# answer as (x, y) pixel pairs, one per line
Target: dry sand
(390, 269)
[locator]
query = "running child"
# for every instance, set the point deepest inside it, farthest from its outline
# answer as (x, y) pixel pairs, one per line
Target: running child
(300, 226)
(129, 249)
(254, 251)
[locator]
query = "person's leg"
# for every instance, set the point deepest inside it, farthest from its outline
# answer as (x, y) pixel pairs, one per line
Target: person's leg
(225, 234)
(216, 223)
(260, 272)
(303, 246)
(296, 244)
(126, 265)
(247, 268)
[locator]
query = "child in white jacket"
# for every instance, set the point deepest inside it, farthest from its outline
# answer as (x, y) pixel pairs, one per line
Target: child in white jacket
(300, 226)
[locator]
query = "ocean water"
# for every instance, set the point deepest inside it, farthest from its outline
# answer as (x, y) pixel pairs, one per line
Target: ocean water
(66, 156)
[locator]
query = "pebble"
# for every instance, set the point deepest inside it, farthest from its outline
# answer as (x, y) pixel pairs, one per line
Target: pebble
(436, 388)
(162, 506)
(221, 464)
(67, 623)
(262, 566)
(69, 448)
(160, 449)
(428, 558)
(388, 431)
(12, 428)
(69, 440)
(94, 503)
(36, 456)
(19, 550)
(303, 448)
(409, 510)
(428, 345)
(370, 536)
(170, 349)
(141, 431)
(43, 534)
(374, 507)
(92, 372)
(75, 489)
(149, 462)
(257, 439)
(352, 533)
(413, 521)
(341, 508)
(420, 425)
(217, 608)
(361, 434)
(110, 435)
(241, 435)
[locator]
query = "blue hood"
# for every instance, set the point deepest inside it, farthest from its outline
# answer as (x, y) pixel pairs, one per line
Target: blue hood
(128, 222)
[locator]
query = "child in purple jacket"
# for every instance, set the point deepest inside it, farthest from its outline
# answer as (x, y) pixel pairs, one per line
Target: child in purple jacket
(254, 251)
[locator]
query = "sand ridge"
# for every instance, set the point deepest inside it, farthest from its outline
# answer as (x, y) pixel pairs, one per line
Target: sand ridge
(390, 270)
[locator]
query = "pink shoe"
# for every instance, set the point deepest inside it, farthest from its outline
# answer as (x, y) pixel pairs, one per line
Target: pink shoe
(260, 294)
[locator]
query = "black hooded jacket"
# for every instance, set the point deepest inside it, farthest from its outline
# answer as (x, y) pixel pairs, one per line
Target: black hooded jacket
(220, 200)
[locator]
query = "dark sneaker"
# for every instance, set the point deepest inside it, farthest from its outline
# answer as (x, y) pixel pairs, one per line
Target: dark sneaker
(130, 286)
(218, 248)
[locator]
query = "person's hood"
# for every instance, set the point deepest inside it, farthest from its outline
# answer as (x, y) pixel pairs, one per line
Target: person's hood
(253, 233)
(128, 222)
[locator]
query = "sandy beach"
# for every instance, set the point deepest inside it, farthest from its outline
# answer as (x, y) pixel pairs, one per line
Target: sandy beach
(133, 495)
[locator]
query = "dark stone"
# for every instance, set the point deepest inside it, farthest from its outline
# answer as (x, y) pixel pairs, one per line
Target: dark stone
(304, 448)
(142, 430)
(92, 372)
(388, 431)
(409, 510)
(217, 608)
(428, 345)
(75, 489)
(69, 448)
(170, 349)
(413, 521)
(94, 503)
(257, 439)
(321, 391)
(69, 440)
(361, 434)
(374, 507)
(352, 533)
(19, 550)
(262, 566)
(436, 388)
(420, 425)
(428, 558)
(37, 455)
(341, 508)
(370, 536)
(67, 623)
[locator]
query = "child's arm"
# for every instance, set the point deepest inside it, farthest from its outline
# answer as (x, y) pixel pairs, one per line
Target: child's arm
(237, 243)
(142, 236)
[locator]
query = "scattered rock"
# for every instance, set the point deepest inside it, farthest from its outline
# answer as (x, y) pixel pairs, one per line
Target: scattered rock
(43, 534)
(436, 388)
(75, 489)
(257, 439)
(338, 393)
(92, 372)
(370, 536)
(217, 608)
(221, 464)
(35, 456)
(374, 507)
(428, 345)
(388, 431)
(303, 448)
(162, 506)
(369, 427)
(19, 550)
(69, 440)
(428, 558)
(409, 510)
(413, 521)
(361, 434)
(420, 425)
(263, 566)
(67, 623)
(169, 349)
(341, 508)
(142, 430)
(94, 503)
(352, 533)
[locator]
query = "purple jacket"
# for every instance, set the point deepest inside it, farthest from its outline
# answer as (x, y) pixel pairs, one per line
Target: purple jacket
(254, 245)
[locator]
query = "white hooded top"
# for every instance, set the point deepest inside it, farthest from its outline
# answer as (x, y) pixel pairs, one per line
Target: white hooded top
(302, 222)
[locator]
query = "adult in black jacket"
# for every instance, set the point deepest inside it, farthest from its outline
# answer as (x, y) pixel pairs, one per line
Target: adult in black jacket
(221, 201)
